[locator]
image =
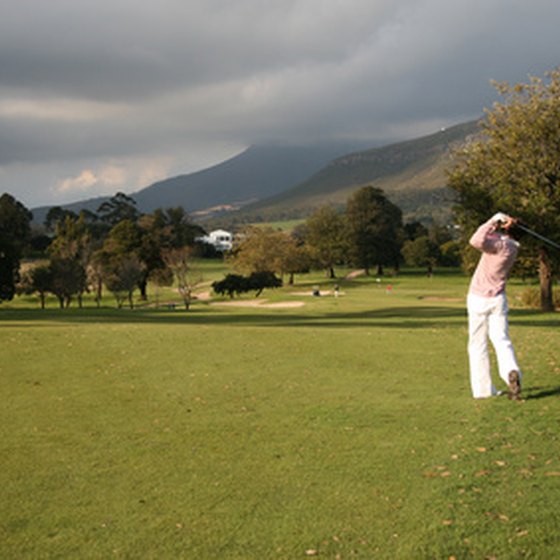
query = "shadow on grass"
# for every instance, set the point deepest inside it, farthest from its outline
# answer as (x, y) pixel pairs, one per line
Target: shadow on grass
(396, 317)
(414, 317)
(540, 392)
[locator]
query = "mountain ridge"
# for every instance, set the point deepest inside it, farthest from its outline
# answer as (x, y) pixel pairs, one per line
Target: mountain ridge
(411, 173)
(268, 182)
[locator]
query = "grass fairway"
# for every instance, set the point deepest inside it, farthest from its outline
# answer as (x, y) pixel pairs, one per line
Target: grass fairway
(340, 429)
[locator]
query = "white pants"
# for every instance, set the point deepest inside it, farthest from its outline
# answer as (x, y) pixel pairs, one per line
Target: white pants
(488, 319)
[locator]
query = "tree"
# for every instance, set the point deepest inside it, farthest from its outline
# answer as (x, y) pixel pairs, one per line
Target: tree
(55, 215)
(374, 229)
(295, 259)
(15, 232)
(118, 208)
(122, 274)
(421, 251)
(73, 243)
(325, 236)
(38, 279)
(179, 261)
(231, 284)
(68, 278)
(514, 166)
(261, 249)
(238, 284)
(258, 281)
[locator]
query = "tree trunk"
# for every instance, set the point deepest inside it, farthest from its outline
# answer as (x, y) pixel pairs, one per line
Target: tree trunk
(330, 272)
(143, 286)
(545, 277)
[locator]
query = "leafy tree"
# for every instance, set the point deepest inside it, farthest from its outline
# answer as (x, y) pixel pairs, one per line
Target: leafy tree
(232, 284)
(179, 261)
(73, 243)
(262, 249)
(413, 230)
(118, 208)
(258, 281)
(122, 274)
(325, 236)
(514, 166)
(421, 251)
(374, 229)
(238, 284)
(38, 279)
(180, 231)
(15, 232)
(68, 278)
(55, 215)
(296, 259)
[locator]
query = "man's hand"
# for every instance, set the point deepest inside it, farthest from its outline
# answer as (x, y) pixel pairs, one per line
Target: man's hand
(501, 217)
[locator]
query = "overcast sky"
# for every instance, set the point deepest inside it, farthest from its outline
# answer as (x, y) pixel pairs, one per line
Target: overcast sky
(97, 97)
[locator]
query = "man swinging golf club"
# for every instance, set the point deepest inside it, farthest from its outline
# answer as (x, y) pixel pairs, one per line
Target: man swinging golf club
(488, 309)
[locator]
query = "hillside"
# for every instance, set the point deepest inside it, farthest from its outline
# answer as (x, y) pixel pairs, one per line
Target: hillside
(411, 173)
(266, 183)
(256, 173)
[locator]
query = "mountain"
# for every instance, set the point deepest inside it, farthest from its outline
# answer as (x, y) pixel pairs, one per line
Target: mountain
(266, 183)
(258, 172)
(411, 173)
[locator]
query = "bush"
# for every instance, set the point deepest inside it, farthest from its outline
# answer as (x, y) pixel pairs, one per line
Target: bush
(531, 297)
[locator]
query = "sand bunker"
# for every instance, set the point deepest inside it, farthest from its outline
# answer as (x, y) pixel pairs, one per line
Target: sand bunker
(259, 303)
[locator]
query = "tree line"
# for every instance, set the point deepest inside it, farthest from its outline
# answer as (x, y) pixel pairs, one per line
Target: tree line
(368, 233)
(119, 249)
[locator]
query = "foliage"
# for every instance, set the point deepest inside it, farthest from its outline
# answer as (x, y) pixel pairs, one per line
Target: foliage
(56, 215)
(325, 236)
(531, 297)
(68, 279)
(232, 284)
(122, 273)
(421, 251)
(118, 208)
(38, 279)
(513, 167)
(262, 279)
(179, 262)
(237, 284)
(15, 232)
(374, 229)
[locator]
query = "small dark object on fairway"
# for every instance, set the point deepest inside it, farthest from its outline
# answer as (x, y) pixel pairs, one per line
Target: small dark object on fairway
(514, 386)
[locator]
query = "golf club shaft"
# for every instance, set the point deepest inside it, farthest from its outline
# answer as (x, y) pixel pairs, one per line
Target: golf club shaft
(539, 236)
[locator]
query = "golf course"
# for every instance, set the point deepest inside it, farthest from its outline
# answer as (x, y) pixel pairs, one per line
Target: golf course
(300, 426)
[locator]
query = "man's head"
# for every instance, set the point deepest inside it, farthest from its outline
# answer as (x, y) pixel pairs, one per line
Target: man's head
(512, 229)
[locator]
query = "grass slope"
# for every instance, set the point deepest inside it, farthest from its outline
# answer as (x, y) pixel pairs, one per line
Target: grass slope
(412, 174)
(342, 428)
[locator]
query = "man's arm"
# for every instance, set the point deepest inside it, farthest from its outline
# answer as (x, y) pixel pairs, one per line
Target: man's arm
(481, 239)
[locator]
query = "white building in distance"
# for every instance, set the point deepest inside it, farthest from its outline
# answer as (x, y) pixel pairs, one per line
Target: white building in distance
(220, 239)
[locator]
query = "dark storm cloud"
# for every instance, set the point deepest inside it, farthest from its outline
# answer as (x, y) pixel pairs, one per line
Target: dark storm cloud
(98, 82)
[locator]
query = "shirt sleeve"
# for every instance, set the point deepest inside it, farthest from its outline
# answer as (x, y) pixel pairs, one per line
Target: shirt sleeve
(482, 238)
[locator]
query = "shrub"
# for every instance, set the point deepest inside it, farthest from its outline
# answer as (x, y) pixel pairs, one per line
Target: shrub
(531, 297)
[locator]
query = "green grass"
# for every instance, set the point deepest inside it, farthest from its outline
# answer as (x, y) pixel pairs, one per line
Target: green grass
(344, 427)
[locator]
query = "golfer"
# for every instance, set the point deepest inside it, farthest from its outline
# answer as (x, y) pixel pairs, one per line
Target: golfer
(488, 309)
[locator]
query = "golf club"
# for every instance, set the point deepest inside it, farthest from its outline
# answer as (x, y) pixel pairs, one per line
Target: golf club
(538, 236)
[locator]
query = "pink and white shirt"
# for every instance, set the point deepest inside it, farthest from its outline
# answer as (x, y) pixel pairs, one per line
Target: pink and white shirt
(498, 255)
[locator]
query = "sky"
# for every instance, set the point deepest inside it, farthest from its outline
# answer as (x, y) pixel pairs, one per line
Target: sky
(113, 95)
